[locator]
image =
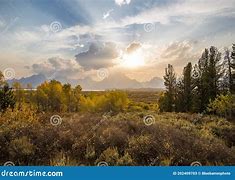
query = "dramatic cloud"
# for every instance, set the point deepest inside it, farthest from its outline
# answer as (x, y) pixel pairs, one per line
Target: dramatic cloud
(133, 47)
(26, 37)
(56, 67)
(179, 53)
(98, 55)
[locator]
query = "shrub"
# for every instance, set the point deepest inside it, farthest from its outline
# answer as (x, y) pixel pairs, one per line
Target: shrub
(125, 160)
(222, 105)
(109, 156)
(21, 150)
(61, 159)
(112, 101)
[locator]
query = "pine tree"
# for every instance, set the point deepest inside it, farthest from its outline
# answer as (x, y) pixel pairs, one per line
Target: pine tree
(7, 99)
(227, 76)
(208, 74)
(196, 92)
(170, 83)
(187, 82)
(214, 72)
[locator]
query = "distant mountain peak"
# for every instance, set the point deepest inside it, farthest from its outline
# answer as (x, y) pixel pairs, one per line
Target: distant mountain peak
(113, 81)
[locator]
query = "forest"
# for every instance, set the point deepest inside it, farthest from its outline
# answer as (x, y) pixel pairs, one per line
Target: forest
(191, 122)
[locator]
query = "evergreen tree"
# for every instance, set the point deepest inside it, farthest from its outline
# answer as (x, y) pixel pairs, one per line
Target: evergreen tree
(214, 73)
(7, 98)
(187, 84)
(226, 84)
(208, 75)
(196, 93)
(168, 101)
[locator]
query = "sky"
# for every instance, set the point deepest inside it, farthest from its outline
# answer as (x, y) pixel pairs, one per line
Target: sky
(137, 38)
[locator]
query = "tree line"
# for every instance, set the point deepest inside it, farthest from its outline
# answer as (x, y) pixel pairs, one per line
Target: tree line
(53, 96)
(206, 87)
(202, 87)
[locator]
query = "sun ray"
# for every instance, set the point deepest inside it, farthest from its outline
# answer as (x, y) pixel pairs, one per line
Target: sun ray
(133, 60)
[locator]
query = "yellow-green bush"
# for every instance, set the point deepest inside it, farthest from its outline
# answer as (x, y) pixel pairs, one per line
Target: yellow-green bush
(111, 101)
(222, 105)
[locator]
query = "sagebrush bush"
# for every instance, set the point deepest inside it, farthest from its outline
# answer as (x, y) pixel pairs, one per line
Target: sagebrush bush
(28, 138)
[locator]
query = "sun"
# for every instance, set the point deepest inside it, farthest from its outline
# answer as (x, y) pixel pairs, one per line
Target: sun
(133, 60)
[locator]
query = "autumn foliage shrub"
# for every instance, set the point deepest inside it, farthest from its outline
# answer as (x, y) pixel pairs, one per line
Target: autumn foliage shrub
(85, 138)
(111, 101)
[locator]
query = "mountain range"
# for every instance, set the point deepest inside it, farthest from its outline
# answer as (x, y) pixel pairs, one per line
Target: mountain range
(115, 81)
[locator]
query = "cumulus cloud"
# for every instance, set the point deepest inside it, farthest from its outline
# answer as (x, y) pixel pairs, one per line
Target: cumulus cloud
(56, 67)
(99, 55)
(122, 2)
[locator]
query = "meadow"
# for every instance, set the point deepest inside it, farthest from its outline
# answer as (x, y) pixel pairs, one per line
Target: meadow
(136, 134)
